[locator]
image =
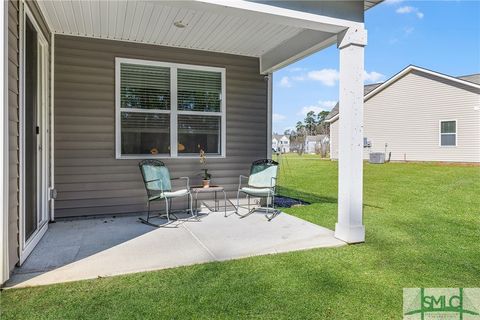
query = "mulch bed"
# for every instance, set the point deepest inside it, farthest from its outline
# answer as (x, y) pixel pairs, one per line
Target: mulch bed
(287, 202)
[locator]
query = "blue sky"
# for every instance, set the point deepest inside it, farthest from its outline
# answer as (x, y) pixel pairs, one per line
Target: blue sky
(443, 36)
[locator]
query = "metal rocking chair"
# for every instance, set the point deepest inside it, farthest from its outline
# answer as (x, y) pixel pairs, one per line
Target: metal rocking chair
(261, 184)
(156, 178)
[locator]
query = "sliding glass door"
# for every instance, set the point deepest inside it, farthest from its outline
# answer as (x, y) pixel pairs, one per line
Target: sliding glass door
(33, 124)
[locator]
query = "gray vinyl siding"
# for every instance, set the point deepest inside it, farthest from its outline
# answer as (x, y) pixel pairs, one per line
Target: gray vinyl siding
(14, 119)
(13, 128)
(88, 178)
(406, 116)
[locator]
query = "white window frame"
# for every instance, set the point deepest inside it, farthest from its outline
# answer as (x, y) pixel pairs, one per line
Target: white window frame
(440, 133)
(173, 112)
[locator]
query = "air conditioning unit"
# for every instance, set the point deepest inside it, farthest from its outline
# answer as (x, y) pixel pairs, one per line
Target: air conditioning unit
(377, 157)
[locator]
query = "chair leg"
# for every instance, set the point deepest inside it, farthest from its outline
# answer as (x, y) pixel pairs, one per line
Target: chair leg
(238, 201)
(275, 212)
(267, 208)
(148, 210)
(167, 210)
(190, 201)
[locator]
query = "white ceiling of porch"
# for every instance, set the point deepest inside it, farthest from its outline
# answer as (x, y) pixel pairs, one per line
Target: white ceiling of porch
(152, 22)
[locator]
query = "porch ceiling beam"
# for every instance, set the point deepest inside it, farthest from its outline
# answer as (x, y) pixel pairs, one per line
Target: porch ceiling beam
(303, 44)
(269, 13)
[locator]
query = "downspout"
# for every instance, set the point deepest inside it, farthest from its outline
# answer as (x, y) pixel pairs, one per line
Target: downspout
(269, 114)
(52, 194)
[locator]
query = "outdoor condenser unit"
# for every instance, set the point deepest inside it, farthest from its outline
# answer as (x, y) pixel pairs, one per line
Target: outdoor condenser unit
(377, 157)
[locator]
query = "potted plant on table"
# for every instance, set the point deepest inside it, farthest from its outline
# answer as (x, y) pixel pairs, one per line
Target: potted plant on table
(205, 175)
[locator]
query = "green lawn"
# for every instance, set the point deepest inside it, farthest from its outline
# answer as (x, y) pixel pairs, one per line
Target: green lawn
(423, 230)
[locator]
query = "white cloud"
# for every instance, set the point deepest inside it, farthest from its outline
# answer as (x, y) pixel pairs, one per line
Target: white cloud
(410, 9)
(408, 30)
(405, 9)
(323, 105)
(296, 69)
(298, 78)
(285, 82)
(276, 117)
(372, 77)
(328, 77)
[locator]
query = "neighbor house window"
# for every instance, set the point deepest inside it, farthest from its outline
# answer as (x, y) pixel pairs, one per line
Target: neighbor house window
(169, 110)
(448, 133)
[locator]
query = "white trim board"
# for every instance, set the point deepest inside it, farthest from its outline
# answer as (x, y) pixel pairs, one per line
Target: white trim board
(4, 158)
(173, 112)
(415, 68)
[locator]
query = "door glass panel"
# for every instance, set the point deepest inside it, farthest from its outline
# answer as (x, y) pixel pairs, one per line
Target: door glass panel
(31, 101)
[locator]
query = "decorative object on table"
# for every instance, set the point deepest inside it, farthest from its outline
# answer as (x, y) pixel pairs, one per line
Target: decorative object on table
(261, 184)
(205, 175)
(154, 151)
(158, 184)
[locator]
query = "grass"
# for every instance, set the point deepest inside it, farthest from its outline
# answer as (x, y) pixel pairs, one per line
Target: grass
(423, 230)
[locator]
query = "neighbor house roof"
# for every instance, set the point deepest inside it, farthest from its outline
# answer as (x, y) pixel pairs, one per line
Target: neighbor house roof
(279, 136)
(475, 78)
(317, 138)
(472, 80)
(366, 90)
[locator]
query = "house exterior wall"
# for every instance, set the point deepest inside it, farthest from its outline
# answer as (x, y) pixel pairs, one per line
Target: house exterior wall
(14, 117)
(334, 140)
(88, 178)
(310, 146)
(13, 128)
(284, 144)
(406, 116)
(274, 144)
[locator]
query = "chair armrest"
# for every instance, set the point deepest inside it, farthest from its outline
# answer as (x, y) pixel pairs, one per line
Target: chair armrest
(240, 181)
(273, 183)
(187, 179)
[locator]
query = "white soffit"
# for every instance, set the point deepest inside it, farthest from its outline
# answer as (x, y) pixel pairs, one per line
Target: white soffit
(152, 22)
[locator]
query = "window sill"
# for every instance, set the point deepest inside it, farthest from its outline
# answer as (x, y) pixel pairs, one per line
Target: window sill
(166, 157)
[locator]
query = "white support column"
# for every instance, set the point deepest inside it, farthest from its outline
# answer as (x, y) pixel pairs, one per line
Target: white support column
(349, 227)
(4, 264)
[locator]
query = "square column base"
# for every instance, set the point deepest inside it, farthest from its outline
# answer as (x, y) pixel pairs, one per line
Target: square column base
(350, 234)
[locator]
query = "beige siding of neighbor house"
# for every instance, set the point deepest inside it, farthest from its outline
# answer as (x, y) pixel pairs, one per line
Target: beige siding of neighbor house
(14, 118)
(334, 140)
(89, 180)
(406, 116)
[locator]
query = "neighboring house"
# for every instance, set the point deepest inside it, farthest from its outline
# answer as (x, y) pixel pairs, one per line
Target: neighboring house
(314, 143)
(91, 88)
(281, 143)
(419, 115)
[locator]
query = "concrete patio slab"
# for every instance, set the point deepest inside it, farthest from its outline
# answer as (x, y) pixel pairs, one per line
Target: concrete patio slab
(90, 248)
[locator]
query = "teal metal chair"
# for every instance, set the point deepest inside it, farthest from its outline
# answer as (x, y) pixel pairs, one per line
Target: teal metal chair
(158, 184)
(261, 183)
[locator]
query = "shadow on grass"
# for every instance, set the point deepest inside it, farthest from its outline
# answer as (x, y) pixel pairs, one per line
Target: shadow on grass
(312, 198)
(305, 196)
